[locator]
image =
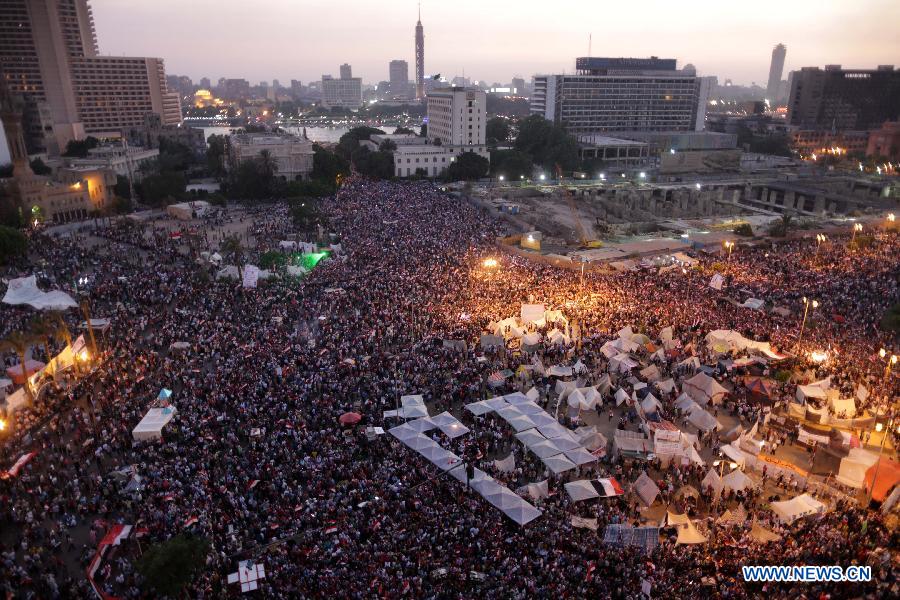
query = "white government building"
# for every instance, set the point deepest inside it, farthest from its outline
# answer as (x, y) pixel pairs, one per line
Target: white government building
(457, 119)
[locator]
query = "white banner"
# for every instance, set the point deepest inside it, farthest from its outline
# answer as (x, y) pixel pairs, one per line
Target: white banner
(251, 276)
(532, 312)
(716, 282)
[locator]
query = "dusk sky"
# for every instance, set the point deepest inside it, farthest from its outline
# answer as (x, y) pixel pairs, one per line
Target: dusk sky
(495, 39)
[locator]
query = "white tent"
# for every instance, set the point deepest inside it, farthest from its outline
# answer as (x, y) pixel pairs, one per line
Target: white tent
(688, 534)
(712, 480)
(651, 373)
(621, 396)
(24, 290)
(558, 464)
(530, 341)
(580, 456)
(185, 211)
(724, 340)
(478, 408)
(560, 371)
(621, 363)
(703, 388)
(557, 338)
(685, 403)
(650, 404)
(754, 303)
(703, 420)
(530, 437)
(646, 489)
(852, 471)
(805, 392)
(844, 408)
(228, 272)
(665, 335)
(508, 328)
(591, 396)
(666, 386)
(151, 426)
(545, 449)
(609, 349)
(738, 481)
(522, 512)
(581, 490)
(691, 361)
(801, 506)
(590, 438)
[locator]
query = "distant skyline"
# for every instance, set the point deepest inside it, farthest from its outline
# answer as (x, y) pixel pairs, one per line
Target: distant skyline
(492, 41)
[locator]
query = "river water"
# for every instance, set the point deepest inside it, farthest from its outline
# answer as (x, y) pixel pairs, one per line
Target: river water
(316, 134)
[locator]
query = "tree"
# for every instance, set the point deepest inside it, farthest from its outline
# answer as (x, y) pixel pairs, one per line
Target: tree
(744, 229)
(19, 343)
(781, 227)
(423, 130)
(39, 167)
(170, 566)
(387, 146)
(270, 259)
(468, 166)
(174, 156)
(305, 213)
(122, 189)
(157, 188)
(512, 164)
(548, 144)
(231, 247)
(349, 142)
(13, 244)
(327, 165)
(267, 165)
(891, 319)
(404, 131)
(80, 148)
(378, 164)
(497, 131)
(215, 155)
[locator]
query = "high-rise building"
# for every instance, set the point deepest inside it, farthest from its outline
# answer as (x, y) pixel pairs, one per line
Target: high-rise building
(205, 83)
(235, 89)
(398, 71)
(518, 86)
(776, 68)
(420, 58)
(844, 99)
(345, 92)
(623, 95)
(48, 52)
(296, 88)
(457, 116)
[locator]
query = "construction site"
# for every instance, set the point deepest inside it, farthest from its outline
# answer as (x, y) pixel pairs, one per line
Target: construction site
(609, 222)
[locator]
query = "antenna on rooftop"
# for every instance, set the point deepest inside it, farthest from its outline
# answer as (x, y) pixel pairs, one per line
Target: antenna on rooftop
(589, 44)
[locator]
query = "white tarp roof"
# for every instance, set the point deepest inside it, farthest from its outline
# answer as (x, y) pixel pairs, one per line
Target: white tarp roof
(650, 404)
(737, 480)
(703, 420)
(150, 427)
(646, 489)
(666, 386)
(812, 390)
(703, 388)
(852, 471)
(621, 396)
(801, 506)
(622, 363)
(581, 490)
(723, 340)
(558, 464)
(650, 373)
(560, 371)
(712, 480)
(24, 290)
(753, 303)
(843, 407)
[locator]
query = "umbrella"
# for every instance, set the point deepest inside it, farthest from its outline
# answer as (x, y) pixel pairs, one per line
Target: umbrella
(350, 418)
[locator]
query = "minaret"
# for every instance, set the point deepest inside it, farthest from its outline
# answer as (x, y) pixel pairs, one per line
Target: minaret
(420, 58)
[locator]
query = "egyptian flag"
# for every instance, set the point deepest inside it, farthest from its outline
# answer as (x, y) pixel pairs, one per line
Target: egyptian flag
(252, 484)
(190, 522)
(608, 487)
(14, 470)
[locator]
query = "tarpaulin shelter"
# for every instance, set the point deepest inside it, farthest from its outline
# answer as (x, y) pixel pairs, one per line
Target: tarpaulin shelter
(650, 404)
(581, 490)
(795, 508)
(754, 303)
(881, 478)
(666, 386)
(531, 341)
(702, 420)
(621, 396)
(150, 427)
(24, 290)
(844, 408)
(650, 373)
(760, 385)
(738, 481)
(726, 340)
(703, 388)
(762, 535)
(712, 480)
(688, 534)
(31, 367)
(646, 489)
(621, 363)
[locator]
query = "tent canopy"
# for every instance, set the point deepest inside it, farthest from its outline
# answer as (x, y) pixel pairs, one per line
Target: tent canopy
(881, 478)
(151, 426)
(801, 506)
(703, 388)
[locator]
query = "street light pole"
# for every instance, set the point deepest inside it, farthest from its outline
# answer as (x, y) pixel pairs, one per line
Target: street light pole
(806, 303)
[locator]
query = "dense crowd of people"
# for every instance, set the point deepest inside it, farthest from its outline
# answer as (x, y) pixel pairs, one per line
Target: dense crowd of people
(257, 462)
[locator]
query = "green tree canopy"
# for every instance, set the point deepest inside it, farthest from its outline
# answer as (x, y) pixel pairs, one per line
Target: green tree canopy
(497, 131)
(468, 166)
(170, 566)
(80, 148)
(13, 244)
(327, 165)
(215, 155)
(156, 189)
(547, 143)
(512, 164)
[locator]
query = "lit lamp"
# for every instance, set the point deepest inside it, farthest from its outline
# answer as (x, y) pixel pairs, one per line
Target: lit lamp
(501, 178)
(820, 239)
(729, 246)
(891, 217)
(542, 177)
(856, 228)
(2, 424)
(818, 356)
(490, 263)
